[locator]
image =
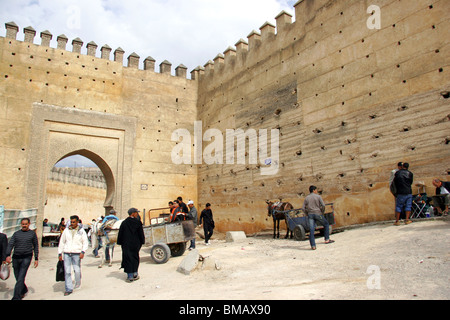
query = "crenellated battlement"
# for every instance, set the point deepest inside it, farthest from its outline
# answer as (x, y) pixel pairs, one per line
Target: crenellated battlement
(257, 41)
(133, 60)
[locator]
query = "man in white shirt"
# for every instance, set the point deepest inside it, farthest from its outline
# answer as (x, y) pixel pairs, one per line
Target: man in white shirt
(73, 244)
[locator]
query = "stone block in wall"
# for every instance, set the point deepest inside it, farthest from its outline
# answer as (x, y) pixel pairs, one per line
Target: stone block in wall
(181, 71)
(133, 60)
(46, 37)
(106, 51)
(165, 67)
(62, 42)
(77, 43)
(91, 48)
(118, 55)
(29, 33)
(11, 30)
(149, 64)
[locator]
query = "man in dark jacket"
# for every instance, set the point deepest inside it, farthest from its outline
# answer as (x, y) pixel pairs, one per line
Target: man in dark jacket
(206, 219)
(442, 199)
(403, 181)
(131, 238)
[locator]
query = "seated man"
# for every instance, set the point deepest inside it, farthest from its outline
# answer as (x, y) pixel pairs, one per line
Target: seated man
(442, 199)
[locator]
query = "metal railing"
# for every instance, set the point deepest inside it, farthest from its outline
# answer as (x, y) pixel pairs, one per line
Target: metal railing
(10, 220)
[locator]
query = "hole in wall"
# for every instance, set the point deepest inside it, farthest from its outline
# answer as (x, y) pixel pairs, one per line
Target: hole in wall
(318, 130)
(445, 94)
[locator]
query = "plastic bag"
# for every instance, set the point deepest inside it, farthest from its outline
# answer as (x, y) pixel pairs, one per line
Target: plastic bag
(4, 272)
(60, 276)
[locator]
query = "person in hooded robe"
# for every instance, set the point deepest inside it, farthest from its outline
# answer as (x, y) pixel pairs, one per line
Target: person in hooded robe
(131, 238)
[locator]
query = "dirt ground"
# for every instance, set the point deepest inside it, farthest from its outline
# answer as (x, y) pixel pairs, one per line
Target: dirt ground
(373, 262)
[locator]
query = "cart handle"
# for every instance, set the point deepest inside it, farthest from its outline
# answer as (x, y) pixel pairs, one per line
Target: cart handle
(149, 211)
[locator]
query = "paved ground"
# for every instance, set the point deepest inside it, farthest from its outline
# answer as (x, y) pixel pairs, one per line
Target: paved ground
(373, 262)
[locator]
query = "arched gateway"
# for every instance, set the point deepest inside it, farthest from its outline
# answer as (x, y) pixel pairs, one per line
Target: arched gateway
(106, 139)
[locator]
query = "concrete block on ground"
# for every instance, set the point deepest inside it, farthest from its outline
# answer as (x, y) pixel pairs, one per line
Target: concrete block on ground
(189, 263)
(235, 236)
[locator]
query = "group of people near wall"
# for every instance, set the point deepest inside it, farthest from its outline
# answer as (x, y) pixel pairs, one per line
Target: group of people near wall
(400, 184)
(179, 211)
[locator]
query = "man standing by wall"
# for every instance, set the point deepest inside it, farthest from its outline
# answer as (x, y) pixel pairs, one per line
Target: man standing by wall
(194, 216)
(73, 244)
(206, 218)
(24, 242)
(403, 181)
(314, 207)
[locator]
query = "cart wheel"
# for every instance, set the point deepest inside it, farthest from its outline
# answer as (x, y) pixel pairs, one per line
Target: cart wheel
(160, 253)
(177, 249)
(299, 233)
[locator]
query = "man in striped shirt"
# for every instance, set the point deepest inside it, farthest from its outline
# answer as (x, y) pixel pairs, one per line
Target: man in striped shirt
(24, 242)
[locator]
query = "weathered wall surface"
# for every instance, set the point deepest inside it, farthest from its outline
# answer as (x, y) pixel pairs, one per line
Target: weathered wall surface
(68, 199)
(349, 102)
(84, 98)
(75, 191)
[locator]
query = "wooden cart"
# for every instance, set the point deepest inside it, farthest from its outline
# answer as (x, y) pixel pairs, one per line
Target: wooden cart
(168, 239)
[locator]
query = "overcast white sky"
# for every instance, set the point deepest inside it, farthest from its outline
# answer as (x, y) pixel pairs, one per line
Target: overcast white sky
(188, 32)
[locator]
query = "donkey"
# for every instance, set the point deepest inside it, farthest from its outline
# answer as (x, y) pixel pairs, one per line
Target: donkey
(108, 241)
(276, 211)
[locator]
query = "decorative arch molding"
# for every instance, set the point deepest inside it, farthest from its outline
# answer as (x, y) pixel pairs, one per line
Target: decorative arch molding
(106, 139)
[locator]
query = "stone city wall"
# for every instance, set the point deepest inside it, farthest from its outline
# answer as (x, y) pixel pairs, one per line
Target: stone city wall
(350, 102)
